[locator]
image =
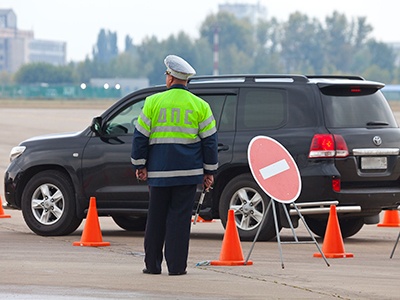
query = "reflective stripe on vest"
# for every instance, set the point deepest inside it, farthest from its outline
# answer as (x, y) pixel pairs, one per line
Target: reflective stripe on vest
(207, 127)
(138, 162)
(210, 167)
(174, 173)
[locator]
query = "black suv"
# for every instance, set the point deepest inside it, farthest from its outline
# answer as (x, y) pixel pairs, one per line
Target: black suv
(339, 129)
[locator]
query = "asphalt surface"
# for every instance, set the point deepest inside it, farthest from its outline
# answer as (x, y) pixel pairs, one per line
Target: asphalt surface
(35, 267)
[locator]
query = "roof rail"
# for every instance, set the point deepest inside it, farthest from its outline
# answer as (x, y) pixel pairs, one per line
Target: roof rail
(350, 77)
(247, 77)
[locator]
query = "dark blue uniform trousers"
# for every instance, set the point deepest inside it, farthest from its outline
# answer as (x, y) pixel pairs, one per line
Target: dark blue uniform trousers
(168, 221)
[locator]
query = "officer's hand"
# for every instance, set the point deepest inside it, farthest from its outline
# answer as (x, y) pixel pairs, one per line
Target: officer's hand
(208, 181)
(141, 174)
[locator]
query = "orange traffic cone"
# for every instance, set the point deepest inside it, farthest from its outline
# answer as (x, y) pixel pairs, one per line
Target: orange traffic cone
(202, 220)
(231, 252)
(390, 219)
(2, 214)
(91, 235)
(333, 246)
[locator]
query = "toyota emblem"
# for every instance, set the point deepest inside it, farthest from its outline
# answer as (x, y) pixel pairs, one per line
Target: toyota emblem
(377, 140)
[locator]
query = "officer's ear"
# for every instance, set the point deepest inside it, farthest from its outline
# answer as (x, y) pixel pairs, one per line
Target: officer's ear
(168, 80)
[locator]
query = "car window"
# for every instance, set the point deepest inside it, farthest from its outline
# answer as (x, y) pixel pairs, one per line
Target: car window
(228, 115)
(123, 123)
(224, 110)
(262, 108)
(357, 111)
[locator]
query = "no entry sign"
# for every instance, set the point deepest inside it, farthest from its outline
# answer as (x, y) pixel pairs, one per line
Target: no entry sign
(274, 169)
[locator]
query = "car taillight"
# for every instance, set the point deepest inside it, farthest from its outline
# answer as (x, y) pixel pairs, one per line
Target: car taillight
(328, 145)
(341, 146)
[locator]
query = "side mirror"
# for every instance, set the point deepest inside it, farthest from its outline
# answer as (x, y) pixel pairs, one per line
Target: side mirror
(96, 125)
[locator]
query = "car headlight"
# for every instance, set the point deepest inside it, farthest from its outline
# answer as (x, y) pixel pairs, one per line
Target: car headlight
(16, 152)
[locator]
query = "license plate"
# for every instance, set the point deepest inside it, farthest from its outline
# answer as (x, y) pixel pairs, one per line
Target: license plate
(373, 163)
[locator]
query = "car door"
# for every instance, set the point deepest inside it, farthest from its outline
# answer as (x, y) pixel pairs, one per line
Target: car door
(223, 103)
(107, 170)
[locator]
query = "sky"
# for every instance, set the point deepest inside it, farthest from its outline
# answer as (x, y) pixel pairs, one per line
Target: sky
(78, 22)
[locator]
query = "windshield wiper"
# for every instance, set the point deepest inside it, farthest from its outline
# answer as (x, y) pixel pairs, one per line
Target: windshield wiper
(377, 123)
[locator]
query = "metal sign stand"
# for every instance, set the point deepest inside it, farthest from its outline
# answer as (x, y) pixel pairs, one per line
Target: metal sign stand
(296, 240)
(276, 172)
(395, 245)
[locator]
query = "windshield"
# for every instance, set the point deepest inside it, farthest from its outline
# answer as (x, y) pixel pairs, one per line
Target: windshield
(357, 110)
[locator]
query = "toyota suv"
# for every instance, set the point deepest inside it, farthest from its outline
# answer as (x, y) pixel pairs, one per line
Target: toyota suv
(340, 131)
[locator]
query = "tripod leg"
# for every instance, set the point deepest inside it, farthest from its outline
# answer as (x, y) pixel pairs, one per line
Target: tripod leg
(258, 231)
(277, 233)
(290, 222)
(394, 248)
(310, 233)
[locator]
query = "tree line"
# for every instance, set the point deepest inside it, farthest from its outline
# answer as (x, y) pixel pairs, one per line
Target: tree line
(302, 45)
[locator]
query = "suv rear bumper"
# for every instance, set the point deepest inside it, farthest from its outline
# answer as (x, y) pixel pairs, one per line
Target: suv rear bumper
(371, 200)
(314, 208)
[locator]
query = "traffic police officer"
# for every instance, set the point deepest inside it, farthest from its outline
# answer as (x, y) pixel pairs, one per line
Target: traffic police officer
(175, 149)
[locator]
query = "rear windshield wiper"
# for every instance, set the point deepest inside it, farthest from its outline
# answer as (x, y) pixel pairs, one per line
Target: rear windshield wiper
(377, 123)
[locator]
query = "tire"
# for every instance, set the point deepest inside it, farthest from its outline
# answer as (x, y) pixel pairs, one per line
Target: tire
(130, 223)
(348, 226)
(317, 226)
(49, 205)
(245, 197)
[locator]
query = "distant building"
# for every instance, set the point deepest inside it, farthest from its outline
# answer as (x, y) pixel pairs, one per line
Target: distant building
(18, 47)
(253, 12)
(51, 52)
(8, 19)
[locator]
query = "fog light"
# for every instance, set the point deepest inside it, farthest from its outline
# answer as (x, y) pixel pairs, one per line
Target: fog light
(336, 185)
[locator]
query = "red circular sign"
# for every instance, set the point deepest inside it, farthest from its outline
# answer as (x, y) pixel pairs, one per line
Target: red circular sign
(274, 169)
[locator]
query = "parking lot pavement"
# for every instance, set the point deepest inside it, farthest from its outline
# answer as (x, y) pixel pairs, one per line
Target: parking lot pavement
(35, 267)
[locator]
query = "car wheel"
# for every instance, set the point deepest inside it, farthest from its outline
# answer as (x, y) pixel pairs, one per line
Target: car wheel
(348, 226)
(249, 202)
(48, 204)
(130, 223)
(317, 226)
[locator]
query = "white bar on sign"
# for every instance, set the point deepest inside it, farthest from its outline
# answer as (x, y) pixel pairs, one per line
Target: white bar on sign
(274, 169)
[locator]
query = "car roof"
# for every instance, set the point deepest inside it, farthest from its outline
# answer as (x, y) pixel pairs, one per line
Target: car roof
(282, 78)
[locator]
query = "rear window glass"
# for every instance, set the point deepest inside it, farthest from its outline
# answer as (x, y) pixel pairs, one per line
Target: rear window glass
(357, 110)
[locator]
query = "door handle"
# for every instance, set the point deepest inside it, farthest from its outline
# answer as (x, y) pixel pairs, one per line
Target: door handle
(222, 147)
